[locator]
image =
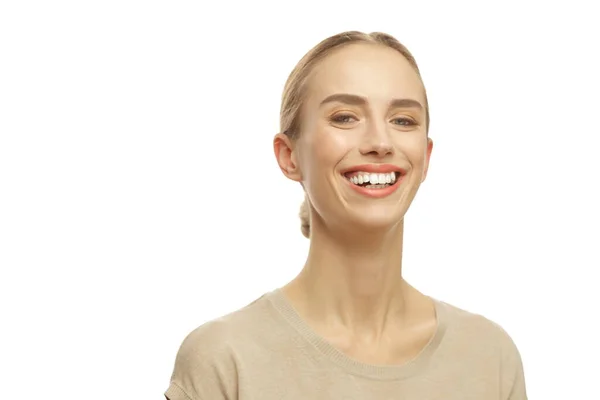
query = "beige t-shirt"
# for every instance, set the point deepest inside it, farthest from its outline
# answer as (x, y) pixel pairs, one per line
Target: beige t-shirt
(266, 351)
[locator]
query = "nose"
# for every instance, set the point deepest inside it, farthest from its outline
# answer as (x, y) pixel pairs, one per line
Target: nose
(377, 141)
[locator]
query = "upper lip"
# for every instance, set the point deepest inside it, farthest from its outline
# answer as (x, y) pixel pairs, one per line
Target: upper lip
(375, 168)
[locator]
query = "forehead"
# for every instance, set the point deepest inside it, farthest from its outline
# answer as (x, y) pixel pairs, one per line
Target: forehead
(373, 71)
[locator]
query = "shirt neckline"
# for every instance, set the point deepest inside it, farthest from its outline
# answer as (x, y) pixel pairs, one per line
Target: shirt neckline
(353, 366)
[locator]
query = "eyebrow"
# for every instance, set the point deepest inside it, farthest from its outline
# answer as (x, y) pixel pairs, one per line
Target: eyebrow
(359, 101)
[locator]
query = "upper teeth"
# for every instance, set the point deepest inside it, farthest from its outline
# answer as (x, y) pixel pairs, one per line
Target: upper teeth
(374, 179)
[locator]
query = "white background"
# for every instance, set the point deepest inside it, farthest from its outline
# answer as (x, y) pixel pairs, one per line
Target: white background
(140, 197)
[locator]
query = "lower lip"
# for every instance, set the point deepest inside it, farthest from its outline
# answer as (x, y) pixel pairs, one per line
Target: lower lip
(376, 193)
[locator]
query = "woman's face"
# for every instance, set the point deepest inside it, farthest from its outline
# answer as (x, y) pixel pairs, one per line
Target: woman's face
(363, 150)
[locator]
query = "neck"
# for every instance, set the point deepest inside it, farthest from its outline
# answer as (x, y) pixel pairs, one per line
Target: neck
(353, 283)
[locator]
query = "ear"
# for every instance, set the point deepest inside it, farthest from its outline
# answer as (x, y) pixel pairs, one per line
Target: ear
(428, 157)
(287, 157)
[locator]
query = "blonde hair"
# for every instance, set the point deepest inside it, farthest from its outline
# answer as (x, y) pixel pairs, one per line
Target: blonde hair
(295, 87)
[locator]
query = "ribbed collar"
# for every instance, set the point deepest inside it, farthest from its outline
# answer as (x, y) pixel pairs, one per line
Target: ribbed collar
(380, 372)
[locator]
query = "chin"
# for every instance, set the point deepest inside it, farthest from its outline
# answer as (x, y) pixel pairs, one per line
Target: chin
(377, 218)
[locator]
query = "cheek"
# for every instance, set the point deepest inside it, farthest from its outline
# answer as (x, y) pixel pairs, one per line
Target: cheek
(327, 147)
(415, 149)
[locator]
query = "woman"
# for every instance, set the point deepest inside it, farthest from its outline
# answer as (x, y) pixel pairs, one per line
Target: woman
(354, 134)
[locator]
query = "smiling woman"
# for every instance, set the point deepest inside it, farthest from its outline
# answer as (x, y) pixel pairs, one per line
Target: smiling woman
(355, 136)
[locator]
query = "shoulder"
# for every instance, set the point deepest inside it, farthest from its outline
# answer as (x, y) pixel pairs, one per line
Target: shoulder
(477, 325)
(490, 341)
(213, 338)
(206, 363)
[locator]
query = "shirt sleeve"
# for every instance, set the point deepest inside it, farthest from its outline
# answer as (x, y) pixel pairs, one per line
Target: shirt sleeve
(513, 376)
(518, 390)
(205, 367)
(175, 392)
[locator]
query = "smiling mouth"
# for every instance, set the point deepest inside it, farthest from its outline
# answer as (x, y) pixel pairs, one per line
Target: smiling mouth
(370, 180)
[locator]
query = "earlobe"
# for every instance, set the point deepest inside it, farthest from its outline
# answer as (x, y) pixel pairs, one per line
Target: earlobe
(286, 156)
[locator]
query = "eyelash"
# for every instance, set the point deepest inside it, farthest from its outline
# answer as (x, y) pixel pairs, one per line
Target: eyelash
(341, 116)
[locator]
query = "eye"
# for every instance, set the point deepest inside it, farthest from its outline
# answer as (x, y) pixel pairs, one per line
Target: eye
(343, 118)
(404, 121)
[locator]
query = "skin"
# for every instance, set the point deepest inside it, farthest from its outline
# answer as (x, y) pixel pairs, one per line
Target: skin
(351, 289)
